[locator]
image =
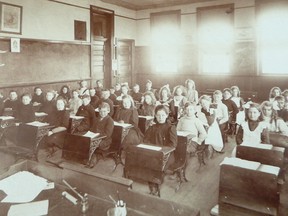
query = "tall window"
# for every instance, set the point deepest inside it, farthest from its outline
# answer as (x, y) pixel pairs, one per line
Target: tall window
(165, 29)
(215, 37)
(273, 37)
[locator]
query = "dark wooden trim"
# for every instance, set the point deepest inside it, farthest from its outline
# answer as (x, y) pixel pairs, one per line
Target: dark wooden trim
(72, 5)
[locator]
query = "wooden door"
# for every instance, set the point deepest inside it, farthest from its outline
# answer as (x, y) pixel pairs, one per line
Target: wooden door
(125, 61)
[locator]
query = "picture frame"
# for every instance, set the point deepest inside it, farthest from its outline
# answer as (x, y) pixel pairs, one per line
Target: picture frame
(10, 18)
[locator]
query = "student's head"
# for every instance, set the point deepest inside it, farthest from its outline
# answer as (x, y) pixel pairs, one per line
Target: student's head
(161, 113)
(127, 102)
(75, 94)
(190, 84)
(99, 84)
(165, 92)
(205, 101)
(92, 91)
(148, 85)
(267, 109)
(64, 89)
(217, 96)
(280, 101)
(86, 100)
(227, 93)
(254, 112)
(235, 91)
(104, 109)
(136, 88)
(178, 90)
(112, 90)
(13, 95)
(124, 89)
(105, 94)
(38, 90)
(61, 104)
(285, 94)
(189, 109)
(275, 91)
(50, 95)
(83, 84)
(26, 98)
(117, 86)
(149, 98)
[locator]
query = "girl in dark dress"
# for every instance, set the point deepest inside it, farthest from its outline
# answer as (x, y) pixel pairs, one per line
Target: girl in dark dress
(65, 93)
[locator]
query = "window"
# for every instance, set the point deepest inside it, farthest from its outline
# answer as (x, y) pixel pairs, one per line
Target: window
(215, 37)
(165, 41)
(273, 37)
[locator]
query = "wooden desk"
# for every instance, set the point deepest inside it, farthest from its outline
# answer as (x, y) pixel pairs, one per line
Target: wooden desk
(74, 122)
(120, 131)
(7, 121)
(80, 148)
(40, 116)
(145, 122)
(99, 188)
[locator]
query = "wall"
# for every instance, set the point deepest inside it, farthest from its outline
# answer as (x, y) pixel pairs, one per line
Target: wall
(245, 73)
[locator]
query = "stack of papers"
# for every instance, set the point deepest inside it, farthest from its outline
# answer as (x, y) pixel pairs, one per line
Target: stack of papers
(37, 124)
(91, 134)
(150, 147)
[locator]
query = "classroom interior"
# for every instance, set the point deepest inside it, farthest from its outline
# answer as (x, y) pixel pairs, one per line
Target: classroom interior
(216, 43)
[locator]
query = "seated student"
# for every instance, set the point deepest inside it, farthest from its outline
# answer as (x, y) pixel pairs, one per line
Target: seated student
(25, 112)
(232, 109)
(83, 88)
(189, 122)
(127, 113)
(104, 125)
(94, 97)
(65, 93)
(1, 104)
(98, 88)
(38, 96)
(166, 99)
(105, 99)
(208, 118)
(118, 89)
(49, 105)
(179, 99)
(75, 102)
(113, 96)
(270, 116)
(88, 112)
(275, 91)
(124, 92)
(60, 120)
(149, 104)
(240, 117)
(12, 102)
(253, 131)
(285, 95)
(192, 93)
(222, 114)
(136, 95)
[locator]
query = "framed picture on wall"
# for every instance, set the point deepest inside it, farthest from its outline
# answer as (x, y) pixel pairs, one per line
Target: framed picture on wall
(10, 18)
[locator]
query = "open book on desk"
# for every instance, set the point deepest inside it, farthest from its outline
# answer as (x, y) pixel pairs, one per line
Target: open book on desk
(91, 134)
(6, 117)
(164, 149)
(147, 117)
(76, 117)
(125, 125)
(39, 114)
(37, 124)
(241, 163)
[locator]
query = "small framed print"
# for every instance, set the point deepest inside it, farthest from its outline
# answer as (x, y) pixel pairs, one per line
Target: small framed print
(15, 45)
(10, 18)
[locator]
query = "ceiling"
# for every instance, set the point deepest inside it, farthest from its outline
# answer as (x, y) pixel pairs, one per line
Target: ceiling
(148, 4)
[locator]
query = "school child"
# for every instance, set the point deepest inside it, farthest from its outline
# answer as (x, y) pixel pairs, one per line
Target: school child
(12, 102)
(232, 109)
(65, 93)
(105, 99)
(60, 120)
(117, 89)
(136, 94)
(285, 95)
(208, 117)
(49, 105)
(98, 88)
(113, 96)
(189, 122)
(148, 87)
(127, 113)
(192, 93)
(83, 88)
(275, 91)
(149, 104)
(25, 112)
(38, 96)
(222, 115)
(253, 131)
(166, 99)
(240, 117)
(124, 92)
(94, 97)
(75, 102)
(1, 104)
(179, 100)
(270, 116)
(88, 112)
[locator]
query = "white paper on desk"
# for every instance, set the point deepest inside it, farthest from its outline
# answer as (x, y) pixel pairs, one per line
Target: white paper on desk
(151, 147)
(241, 163)
(260, 146)
(122, 124)
(29, 209)
(6, 117)
(22, 187)
(39, 114)
(184, 133)
(76, 117)
(91, 134)
(37, 124)
(146, 117)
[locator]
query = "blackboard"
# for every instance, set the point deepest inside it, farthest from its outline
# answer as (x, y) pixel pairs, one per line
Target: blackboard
(43, 62)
